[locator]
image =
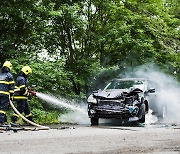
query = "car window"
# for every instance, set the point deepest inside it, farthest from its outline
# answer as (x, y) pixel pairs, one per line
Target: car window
(126, 84)
(120, 85)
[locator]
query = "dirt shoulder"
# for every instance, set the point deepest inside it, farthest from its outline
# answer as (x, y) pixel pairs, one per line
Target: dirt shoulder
(85, 139)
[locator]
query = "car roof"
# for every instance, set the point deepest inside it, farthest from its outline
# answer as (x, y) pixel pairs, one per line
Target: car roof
(129, 79)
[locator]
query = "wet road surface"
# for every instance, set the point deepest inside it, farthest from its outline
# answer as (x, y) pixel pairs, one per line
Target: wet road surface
(107, 138)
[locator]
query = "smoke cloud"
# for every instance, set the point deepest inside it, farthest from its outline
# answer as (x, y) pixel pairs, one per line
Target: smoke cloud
(75, 117)
(167, 91)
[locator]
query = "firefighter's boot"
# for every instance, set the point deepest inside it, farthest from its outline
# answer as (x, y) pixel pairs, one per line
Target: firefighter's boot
(30, 118)
(14, 118)
(3, 118)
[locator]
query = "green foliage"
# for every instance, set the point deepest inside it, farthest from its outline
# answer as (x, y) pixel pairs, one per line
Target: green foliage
(19, 21)
(45, 117)
(50, 76)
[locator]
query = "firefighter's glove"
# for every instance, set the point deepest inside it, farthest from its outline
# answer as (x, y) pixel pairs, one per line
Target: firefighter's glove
(33, 93)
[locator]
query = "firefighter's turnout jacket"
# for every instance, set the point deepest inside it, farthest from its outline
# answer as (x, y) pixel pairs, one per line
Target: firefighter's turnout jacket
(21, 95)
(21, 88)
(6, 91)
(6, 84)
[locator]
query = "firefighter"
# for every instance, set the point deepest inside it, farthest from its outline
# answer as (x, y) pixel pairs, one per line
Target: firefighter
(21, 94)
(6, 90)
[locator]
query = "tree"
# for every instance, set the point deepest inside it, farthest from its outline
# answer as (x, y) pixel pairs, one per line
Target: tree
(22, 28)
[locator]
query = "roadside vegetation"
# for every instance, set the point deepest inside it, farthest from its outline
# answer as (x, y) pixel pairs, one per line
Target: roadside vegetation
(74, 47)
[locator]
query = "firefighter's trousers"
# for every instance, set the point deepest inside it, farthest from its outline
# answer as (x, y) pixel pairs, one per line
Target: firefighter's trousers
(22, 107)
(4, 102)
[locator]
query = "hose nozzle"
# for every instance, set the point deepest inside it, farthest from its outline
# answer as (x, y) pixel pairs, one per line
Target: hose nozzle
(32, 92)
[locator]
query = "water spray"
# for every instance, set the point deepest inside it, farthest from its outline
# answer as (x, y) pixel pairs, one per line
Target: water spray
(55, 101)
(77, 114)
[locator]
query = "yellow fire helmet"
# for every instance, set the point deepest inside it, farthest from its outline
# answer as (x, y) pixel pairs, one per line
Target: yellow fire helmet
(27, 70)
(8, 64)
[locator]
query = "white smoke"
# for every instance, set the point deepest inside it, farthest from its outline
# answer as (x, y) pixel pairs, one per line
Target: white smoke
(150, 118)
(75, 117)
(167, 90)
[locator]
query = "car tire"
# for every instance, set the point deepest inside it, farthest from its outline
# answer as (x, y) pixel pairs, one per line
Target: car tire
(146, 106)
(143, 113)
(94, 121)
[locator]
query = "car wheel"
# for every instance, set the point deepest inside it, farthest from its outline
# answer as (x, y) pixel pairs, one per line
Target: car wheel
(94, 121)
(146, 106)
(142, 119)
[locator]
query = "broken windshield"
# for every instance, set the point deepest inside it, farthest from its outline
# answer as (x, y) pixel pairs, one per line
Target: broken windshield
(120, 84)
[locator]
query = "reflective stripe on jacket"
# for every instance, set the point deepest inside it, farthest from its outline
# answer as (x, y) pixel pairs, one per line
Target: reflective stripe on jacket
(6, 84)
(2, 112)
(21, 88)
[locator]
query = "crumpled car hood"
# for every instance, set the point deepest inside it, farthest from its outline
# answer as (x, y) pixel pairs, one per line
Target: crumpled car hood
(109, 94)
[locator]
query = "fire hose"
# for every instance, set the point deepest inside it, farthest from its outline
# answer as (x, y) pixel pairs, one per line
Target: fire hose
(40, 127)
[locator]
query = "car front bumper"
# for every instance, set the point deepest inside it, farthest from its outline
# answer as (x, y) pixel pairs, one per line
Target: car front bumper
(100, 112)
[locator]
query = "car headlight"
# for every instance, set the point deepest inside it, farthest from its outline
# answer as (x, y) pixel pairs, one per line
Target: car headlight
(91, 99)
(92, 111)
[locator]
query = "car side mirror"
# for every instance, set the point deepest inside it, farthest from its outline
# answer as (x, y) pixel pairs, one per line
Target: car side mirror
(151, 90)
(96, 91)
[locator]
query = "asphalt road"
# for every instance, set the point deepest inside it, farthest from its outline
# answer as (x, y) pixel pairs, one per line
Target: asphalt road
(104, 139)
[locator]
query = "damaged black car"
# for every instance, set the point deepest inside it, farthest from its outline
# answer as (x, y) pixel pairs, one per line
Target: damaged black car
(124, 99)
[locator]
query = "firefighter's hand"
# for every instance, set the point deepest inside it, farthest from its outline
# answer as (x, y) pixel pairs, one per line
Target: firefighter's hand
(33, 93)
